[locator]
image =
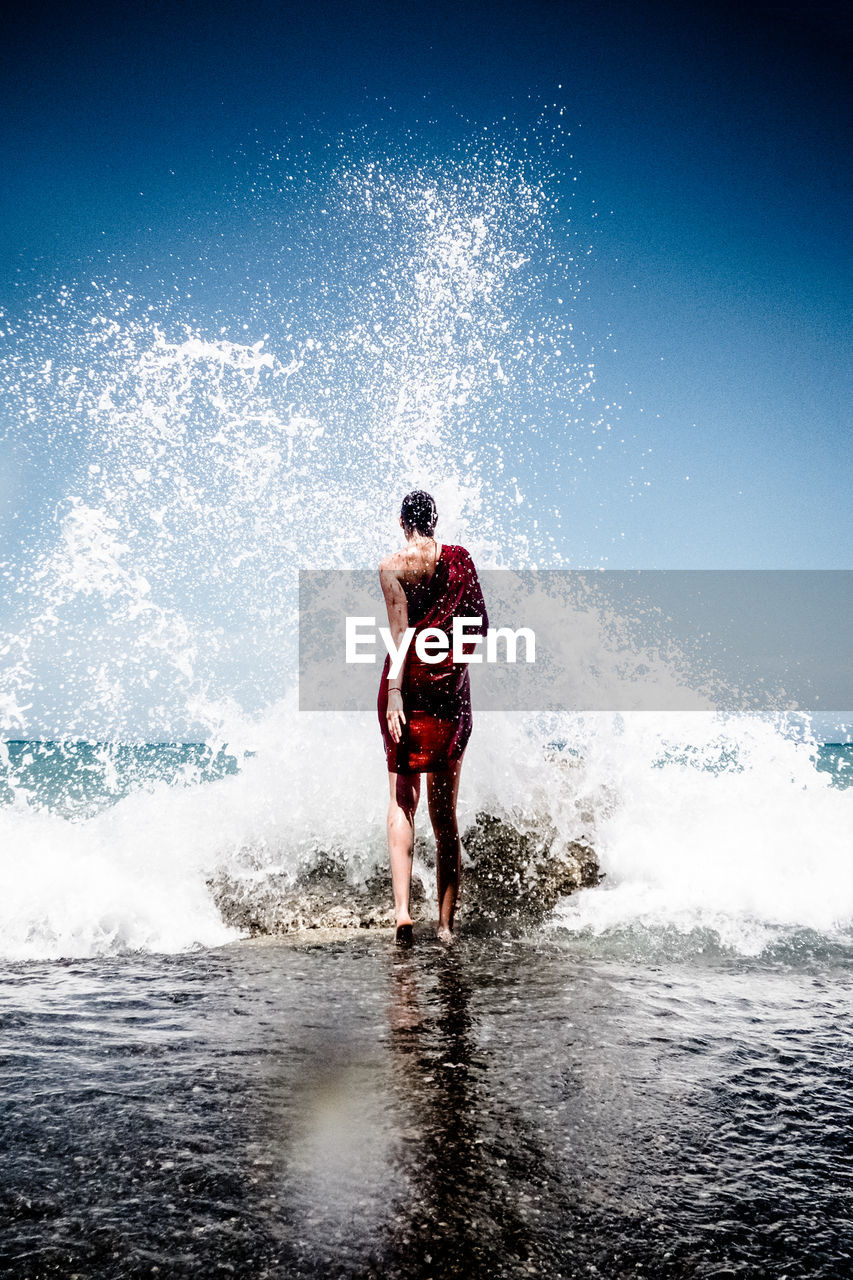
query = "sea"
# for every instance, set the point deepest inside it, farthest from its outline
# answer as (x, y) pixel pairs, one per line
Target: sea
(641, 1085)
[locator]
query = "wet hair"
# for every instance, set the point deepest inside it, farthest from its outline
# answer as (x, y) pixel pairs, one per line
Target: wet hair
(418, 513)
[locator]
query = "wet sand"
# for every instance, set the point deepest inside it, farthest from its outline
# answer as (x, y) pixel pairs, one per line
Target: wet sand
(324, 1104)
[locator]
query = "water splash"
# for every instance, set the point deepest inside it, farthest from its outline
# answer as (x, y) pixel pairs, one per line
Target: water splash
(377, 319)
(189, 475)
(721, 830)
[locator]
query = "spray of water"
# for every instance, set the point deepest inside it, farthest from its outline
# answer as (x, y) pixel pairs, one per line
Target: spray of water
(401, 321)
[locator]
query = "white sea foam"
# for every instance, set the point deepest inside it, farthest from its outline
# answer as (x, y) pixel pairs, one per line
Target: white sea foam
(695, 824)
(728, 827)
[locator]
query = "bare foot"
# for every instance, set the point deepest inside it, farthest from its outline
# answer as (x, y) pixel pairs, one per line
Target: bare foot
(446, 935)
(404, 936)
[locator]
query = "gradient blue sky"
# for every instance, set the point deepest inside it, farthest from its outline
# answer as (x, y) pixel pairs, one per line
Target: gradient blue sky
(716, 134)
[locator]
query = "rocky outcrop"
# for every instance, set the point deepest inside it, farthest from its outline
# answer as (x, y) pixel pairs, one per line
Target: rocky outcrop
(321, 897)
(512, 879)
(516, 878)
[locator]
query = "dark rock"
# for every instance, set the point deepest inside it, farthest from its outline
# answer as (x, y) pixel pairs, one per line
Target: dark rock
(511, 879)
(518, 877)
(320, 897)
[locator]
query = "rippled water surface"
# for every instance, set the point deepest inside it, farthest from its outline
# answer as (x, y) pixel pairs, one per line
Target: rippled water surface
(509, 1108)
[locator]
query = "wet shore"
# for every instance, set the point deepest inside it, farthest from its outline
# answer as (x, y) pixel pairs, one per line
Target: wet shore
(327, 1105)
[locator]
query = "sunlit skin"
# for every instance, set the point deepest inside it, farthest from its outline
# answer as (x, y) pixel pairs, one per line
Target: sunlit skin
(415, 563)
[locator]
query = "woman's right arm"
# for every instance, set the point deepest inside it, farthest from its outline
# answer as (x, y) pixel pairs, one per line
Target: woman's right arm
(474, 597)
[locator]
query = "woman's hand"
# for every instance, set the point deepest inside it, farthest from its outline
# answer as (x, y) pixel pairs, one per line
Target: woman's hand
(395, 715)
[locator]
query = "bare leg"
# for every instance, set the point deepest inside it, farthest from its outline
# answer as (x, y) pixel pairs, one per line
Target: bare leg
(405, 793)
(442, 790)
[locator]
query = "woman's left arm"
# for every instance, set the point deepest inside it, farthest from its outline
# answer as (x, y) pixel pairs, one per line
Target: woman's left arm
(398, 621)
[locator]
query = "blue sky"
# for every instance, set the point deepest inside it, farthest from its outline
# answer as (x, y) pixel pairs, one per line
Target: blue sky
(710, 140)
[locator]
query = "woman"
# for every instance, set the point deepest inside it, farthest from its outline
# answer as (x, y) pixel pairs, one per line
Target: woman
(425, 710)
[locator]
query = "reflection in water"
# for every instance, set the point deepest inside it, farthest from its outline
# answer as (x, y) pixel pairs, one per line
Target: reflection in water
(459, 1217)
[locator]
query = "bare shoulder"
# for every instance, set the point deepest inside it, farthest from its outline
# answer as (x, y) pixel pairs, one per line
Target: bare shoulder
(393, 565)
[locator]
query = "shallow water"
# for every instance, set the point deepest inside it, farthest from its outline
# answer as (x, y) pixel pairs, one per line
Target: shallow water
(510, 1108)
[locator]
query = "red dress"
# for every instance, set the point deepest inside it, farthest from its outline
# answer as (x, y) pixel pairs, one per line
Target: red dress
(436, 696)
